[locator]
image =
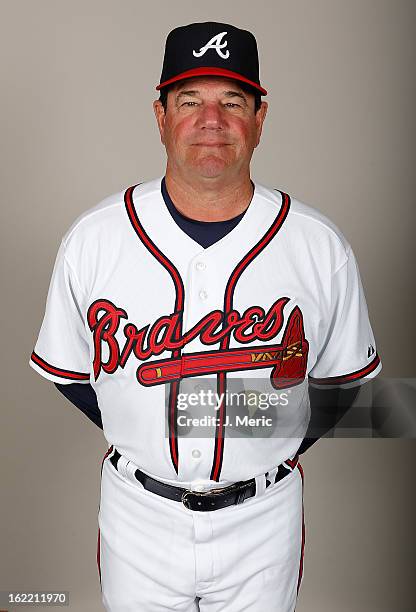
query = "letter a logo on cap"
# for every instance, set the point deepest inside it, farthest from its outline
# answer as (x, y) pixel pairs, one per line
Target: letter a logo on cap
(214, 43)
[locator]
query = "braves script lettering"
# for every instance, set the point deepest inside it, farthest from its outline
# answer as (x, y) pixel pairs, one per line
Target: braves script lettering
(104, 320)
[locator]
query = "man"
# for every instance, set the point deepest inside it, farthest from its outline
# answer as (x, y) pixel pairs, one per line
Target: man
(204, 277)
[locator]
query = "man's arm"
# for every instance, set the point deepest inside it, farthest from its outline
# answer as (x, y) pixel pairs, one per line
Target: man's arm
(84, 398)
(328, 406)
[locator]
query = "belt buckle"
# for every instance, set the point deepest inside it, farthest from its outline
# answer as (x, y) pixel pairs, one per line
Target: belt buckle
(217, 491)
(184, 499)
(187, 493)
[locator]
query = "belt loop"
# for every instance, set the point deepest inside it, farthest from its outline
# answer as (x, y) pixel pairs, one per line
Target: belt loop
(271, 476)
(131, 473)
(122, 467)
(260, 484)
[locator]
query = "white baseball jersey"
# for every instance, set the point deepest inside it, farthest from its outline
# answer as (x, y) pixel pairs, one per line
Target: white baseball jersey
(141, 311)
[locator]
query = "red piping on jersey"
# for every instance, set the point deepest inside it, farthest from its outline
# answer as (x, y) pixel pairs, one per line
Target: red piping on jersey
(335, 380)
(179, 304)
(292, 462)
(228, 304)
(303, 533)
(57, 371)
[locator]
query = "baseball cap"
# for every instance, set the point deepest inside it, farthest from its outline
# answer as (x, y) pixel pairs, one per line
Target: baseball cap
(211, 48)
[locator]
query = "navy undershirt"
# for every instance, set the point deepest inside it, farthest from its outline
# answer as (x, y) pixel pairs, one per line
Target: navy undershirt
(205, 233)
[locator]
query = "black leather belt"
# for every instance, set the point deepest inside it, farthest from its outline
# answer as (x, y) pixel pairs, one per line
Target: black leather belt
(203, 501)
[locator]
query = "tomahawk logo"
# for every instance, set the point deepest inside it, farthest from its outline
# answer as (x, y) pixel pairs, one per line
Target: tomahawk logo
(214, 43)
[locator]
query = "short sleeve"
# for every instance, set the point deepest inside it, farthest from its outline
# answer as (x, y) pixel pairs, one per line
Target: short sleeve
(348, 353)
(61, 352)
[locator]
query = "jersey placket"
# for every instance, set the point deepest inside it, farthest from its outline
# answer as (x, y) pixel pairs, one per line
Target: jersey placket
(203, 294)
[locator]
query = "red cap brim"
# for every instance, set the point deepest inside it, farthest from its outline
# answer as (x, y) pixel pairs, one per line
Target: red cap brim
(206, 71)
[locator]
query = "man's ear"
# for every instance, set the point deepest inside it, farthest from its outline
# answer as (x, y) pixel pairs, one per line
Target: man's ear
(260, 117)
(160, 118)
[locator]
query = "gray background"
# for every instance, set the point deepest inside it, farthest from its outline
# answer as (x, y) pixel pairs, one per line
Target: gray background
(77, 124)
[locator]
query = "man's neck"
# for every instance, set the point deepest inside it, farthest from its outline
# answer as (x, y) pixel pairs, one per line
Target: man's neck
(209, 200)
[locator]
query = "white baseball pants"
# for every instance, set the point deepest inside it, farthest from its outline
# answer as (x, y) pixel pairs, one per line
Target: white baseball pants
(155, 555)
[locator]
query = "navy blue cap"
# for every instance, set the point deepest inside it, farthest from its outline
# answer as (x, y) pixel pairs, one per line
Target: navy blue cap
(211, 48)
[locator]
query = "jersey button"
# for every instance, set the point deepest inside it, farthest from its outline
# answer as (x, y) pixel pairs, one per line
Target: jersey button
(200, 265)
(203, 295)
(196, 453)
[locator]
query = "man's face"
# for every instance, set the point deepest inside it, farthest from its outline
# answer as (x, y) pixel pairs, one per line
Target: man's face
(210, 128)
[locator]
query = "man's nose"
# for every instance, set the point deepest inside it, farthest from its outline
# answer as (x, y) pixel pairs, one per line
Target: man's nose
(211, 115)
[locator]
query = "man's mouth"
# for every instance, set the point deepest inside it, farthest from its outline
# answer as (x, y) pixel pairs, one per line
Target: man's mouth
(211, 144)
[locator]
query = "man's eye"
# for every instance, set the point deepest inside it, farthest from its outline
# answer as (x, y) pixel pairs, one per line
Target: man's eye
(232, 104)
(186, 103)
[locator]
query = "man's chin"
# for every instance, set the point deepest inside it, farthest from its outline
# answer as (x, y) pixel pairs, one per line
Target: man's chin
(212, 168)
